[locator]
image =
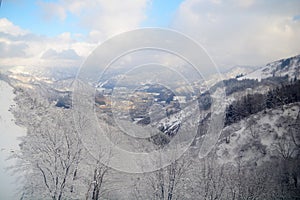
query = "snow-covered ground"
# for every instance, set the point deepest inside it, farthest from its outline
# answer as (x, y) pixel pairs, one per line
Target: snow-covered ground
(9, 132)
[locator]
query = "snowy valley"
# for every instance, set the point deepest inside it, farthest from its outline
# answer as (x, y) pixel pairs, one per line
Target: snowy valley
(256, 156)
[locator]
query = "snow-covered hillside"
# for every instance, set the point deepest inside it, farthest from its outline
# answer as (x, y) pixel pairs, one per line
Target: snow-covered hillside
(261, 136)
(237, 71)
(280, 68)
(9, 132)
(227, 74)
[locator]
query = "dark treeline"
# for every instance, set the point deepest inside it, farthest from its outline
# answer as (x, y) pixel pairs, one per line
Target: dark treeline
(234, 85)
(254, 103)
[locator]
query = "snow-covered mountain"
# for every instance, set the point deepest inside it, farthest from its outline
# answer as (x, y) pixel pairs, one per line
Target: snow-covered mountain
(237, 71)
(280, 68)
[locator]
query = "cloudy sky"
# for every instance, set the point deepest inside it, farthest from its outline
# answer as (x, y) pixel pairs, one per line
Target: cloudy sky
(63, 32)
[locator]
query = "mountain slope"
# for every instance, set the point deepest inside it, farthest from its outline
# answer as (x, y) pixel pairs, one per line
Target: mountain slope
(259, 137)
(280, 68)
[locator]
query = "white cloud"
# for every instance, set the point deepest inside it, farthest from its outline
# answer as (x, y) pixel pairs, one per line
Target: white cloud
(7, 26)
(68, 54)
(245, 3)
(51, 10)
(20, 47)
(66, 36)
(103, 18)
(12, 50)
(242, 32)
(235, 32)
